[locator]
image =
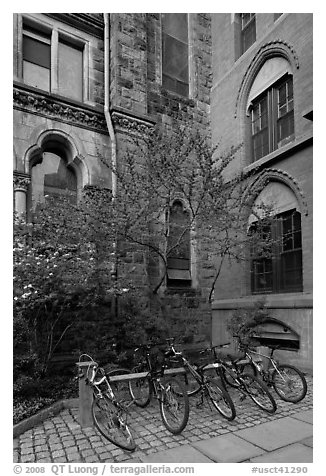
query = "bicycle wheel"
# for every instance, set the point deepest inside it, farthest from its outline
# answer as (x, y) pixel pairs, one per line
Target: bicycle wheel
(111, 423)
(229, 377)
(140, 390)
(174, 405)
(258, 392)
(289, 383)
(221, 399)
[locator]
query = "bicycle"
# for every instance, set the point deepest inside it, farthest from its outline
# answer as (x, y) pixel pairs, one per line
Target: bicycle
(170, 393)
(108, 412)
(229, 368)
(288, 382)
(197, 380)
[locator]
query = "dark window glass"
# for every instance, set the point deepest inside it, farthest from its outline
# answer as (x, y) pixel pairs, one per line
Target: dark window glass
(282, 271)
(272, 118)
(277, 15)
(37, 52)
(248, 30)
(175, 67)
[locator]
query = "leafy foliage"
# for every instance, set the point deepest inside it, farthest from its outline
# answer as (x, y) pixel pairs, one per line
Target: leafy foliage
(244, 323)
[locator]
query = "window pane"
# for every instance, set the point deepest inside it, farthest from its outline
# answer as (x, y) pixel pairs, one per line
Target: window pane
(70, 71)
(36, 76)
(36, 52)
(248, 34)
(175, 58)
(176, 25)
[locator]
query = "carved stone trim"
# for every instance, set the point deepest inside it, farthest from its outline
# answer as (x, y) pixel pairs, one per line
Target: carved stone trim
(269, 175)
(51, 107)
(21, 181)
(131, 124)
(267, 50)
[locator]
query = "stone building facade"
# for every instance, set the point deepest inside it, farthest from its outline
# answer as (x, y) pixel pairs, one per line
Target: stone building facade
(262, 98)
(83, 83)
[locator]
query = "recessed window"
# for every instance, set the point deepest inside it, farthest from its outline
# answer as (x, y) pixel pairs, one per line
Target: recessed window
(178, 257)
(175, 56)
(248, 30)
(53, 65)
(272, 118)
(281, 270)
(37, 58)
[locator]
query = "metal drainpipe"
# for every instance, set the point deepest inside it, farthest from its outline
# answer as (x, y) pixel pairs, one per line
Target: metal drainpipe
(110, 128)
(107, 100)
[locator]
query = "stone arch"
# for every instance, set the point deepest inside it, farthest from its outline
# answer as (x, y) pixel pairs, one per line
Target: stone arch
(276, 48)
(269, 176)
(67, 145)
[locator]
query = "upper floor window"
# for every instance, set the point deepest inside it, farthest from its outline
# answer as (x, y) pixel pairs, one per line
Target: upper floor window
(175, 56)
(53, 62)
(272, 118)
(248, 30)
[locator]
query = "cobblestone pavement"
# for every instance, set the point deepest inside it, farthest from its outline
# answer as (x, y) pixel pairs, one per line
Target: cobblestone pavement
(61, 439)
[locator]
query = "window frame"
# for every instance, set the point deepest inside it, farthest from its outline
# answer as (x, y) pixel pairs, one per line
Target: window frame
(274, 119)
(57, 35)
(274, 266)
(187, 84)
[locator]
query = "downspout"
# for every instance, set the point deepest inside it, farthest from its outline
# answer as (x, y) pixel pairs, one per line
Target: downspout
(107, 101)
(111, 133)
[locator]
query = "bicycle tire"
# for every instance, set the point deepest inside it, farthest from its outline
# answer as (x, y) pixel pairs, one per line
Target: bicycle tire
(258, 392)
(110, 423)
(174, 405)
(221, 399)
(141, 389)
(227, 379)
(289, 383)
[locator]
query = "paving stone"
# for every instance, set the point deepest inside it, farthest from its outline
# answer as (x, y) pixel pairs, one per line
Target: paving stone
(27, 458)
(186, 454)
(306, 416)
(74, 457)
(58, 453)
(296, 453)
(275, 434)
(228, 449)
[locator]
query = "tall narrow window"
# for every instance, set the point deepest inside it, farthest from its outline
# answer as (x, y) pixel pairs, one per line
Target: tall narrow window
(178, 256)
(175, 67)
(248, 30)
(36, 58)
(282, 271)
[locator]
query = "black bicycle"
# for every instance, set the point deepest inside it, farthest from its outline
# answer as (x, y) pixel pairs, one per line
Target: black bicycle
(108, 411)
(288, 382)
(229, 367)
(168, 390)
(197, 380)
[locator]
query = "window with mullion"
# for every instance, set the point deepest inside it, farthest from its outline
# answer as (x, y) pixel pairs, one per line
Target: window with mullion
(281, 272)
(272, 118)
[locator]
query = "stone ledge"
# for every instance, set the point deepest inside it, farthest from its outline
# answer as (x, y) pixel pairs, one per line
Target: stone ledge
(42, 415)
(281, 301)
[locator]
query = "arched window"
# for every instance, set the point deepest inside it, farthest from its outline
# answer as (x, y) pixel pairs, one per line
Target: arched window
(51, 176)
(271, 107)
(178, 247)
(281, 270)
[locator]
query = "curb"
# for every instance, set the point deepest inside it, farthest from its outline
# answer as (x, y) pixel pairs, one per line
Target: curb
(42, 415)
